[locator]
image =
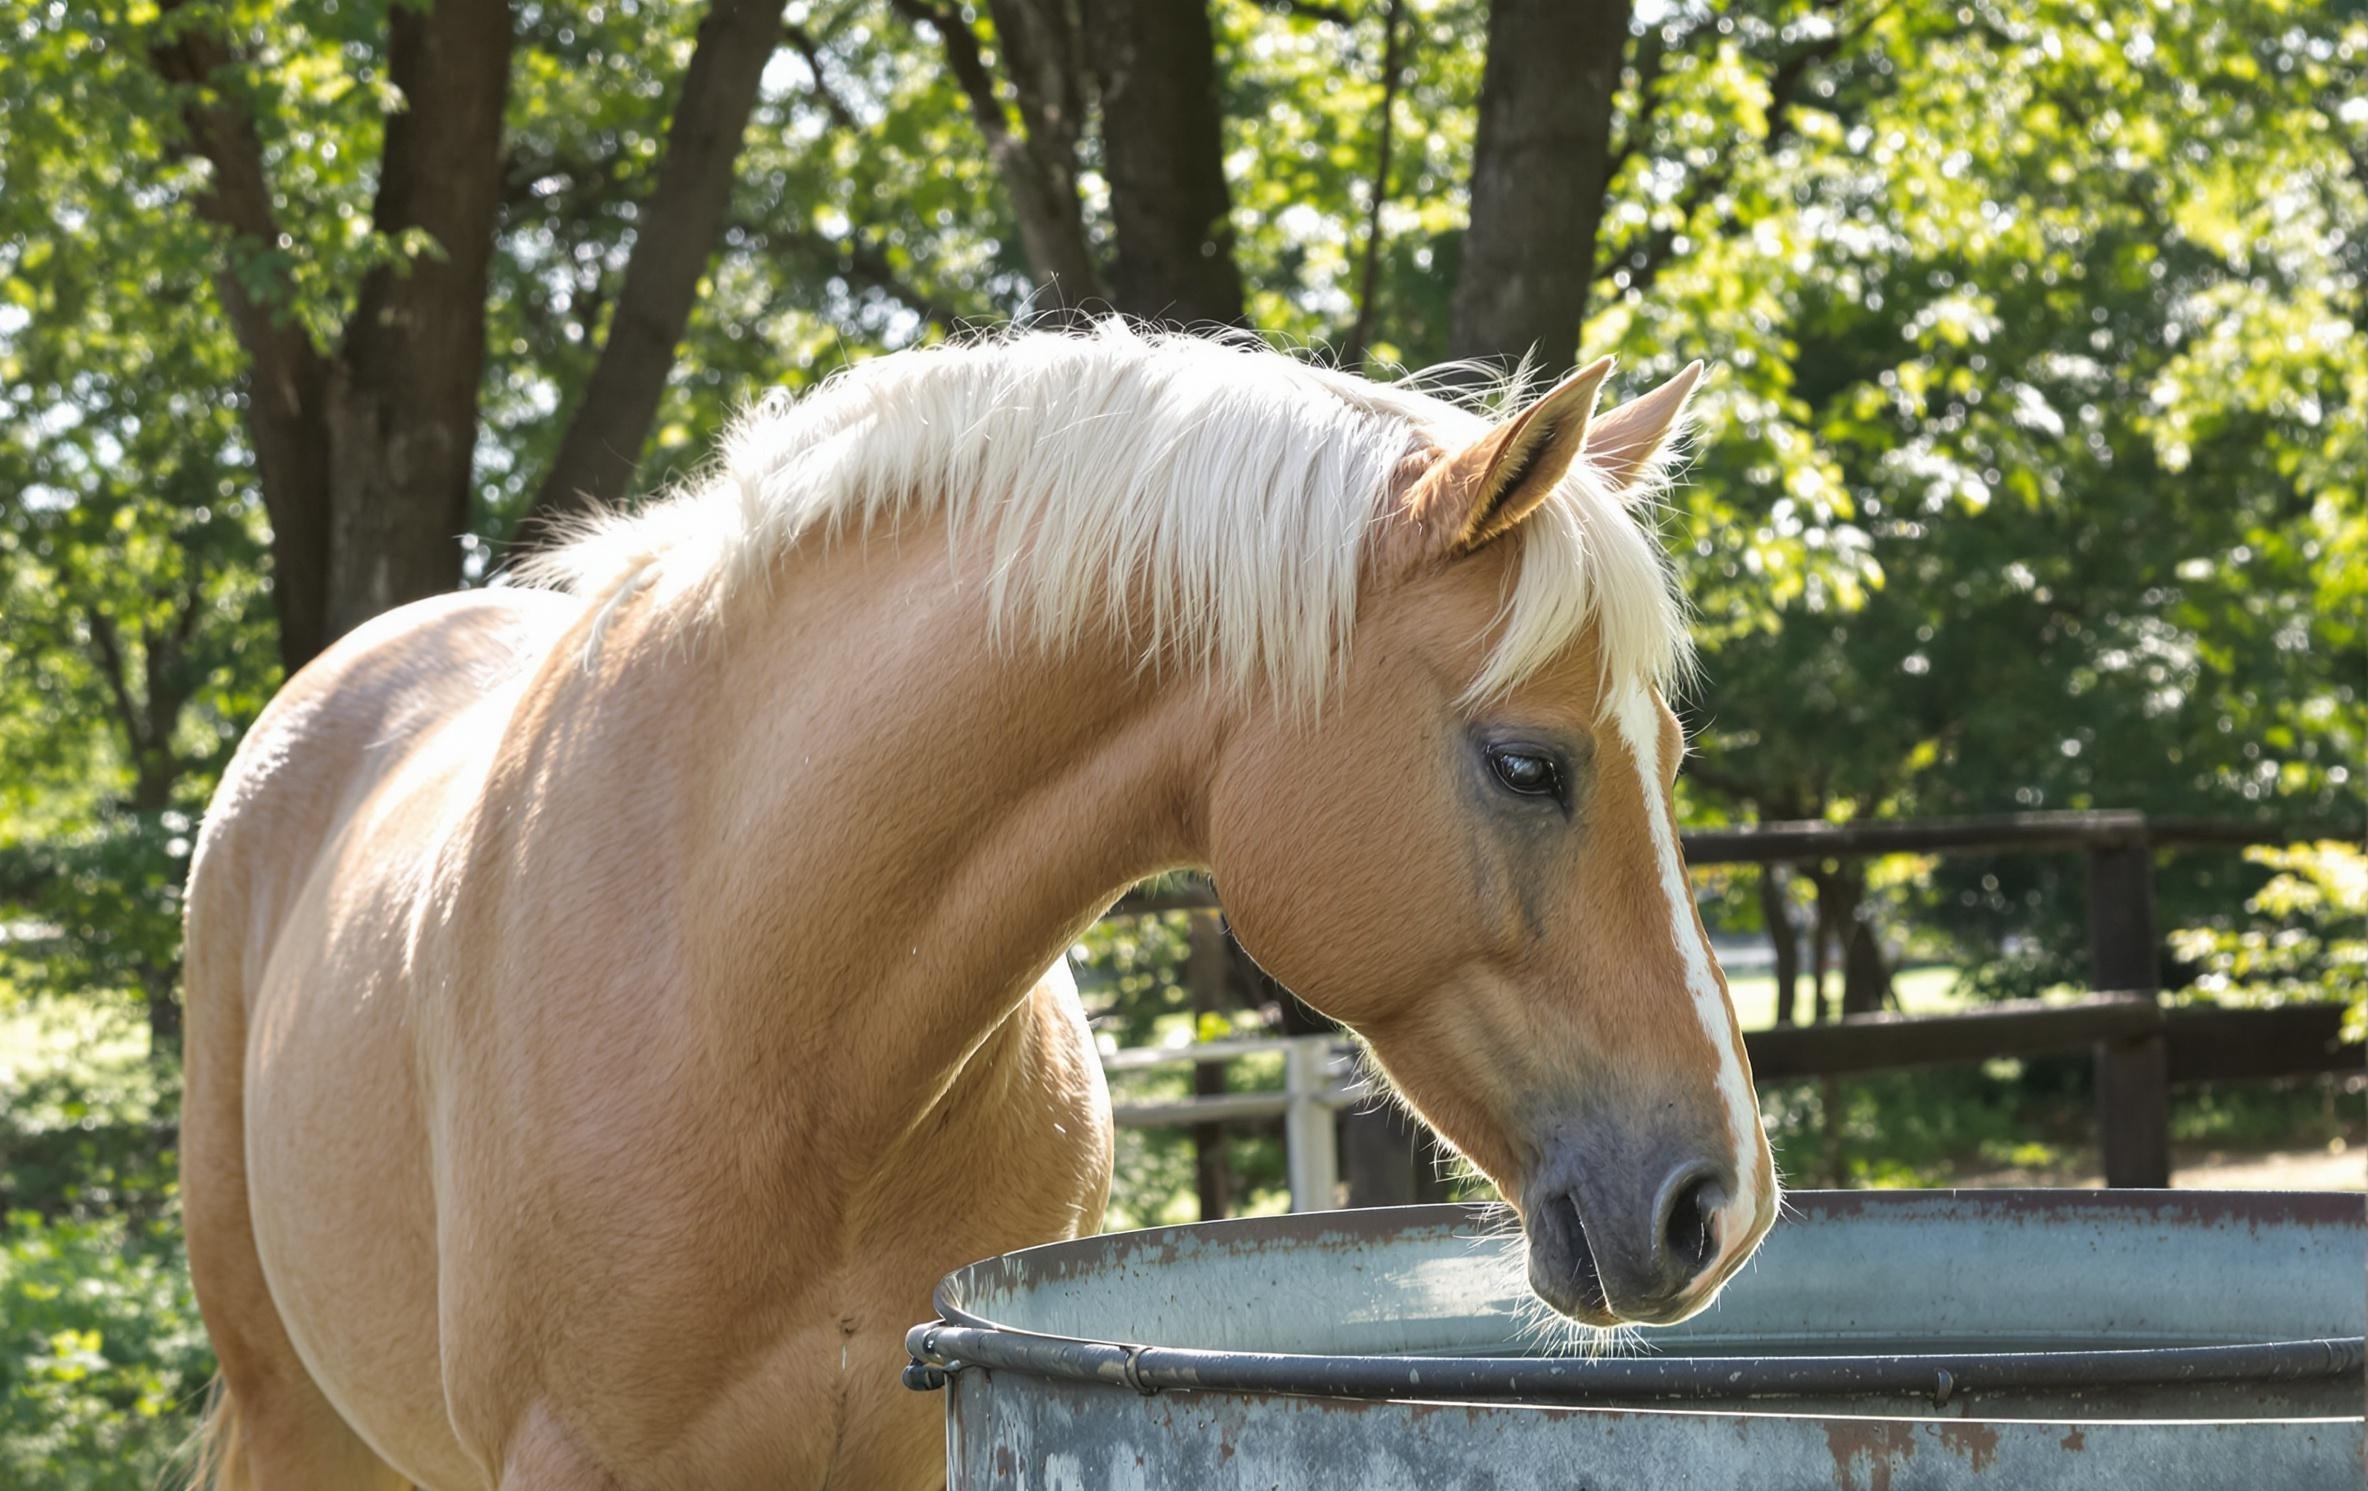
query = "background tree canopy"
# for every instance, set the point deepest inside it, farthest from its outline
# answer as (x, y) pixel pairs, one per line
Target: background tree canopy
(2030, 474)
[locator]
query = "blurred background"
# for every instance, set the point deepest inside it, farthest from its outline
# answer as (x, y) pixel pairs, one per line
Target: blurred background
(2028, 481)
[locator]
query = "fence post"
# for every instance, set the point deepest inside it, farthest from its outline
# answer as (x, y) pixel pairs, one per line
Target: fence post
(1205, 967)
(1308, 1129)
(2132, 1076)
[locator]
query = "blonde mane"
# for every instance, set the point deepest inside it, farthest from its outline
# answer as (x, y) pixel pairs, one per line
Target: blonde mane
(1208, 499)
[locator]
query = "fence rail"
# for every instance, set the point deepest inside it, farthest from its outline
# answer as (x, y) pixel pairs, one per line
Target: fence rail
(2139, 1048)
(1319, 1079)
(2197, 1044)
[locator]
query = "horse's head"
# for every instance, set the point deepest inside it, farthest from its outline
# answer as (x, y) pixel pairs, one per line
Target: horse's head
(1486, 883)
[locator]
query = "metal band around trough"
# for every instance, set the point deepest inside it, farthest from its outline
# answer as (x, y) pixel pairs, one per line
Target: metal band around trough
(1570, 1379)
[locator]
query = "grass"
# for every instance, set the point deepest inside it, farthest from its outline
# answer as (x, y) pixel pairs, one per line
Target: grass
(1928, 990)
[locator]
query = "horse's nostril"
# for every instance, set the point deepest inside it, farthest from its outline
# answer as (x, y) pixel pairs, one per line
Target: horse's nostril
(1689, 1230)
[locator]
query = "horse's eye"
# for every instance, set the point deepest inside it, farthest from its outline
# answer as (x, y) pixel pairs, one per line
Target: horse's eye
(1525, 774)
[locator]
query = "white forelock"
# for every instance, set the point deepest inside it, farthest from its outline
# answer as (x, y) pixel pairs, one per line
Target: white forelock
(1210, 500)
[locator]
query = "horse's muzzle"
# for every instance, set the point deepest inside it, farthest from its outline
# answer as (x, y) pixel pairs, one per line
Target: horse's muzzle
(1614, 1243)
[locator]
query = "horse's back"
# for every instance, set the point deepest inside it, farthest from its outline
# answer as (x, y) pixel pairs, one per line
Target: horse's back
(310, 1206)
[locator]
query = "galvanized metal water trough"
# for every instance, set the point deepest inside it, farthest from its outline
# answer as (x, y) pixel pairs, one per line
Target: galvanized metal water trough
(1880, 1341)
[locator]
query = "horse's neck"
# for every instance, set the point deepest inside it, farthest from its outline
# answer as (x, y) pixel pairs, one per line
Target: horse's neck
(883, 828)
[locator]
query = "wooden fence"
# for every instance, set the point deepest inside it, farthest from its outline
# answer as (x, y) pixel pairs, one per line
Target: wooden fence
(2139, 1048)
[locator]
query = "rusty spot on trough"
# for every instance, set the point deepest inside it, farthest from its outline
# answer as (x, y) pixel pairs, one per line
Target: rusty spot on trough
(1973, 1439)
(2075, 1442)
(1886, 1445)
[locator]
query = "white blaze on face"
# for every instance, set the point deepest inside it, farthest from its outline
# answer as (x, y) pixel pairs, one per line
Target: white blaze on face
(1638, 717)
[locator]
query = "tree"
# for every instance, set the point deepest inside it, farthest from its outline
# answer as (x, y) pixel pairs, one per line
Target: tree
(1950, 551)
(1540, 167)
(600, 456)
(1038, 162)
(2068, 416)
(1155, 71)
(135, 629)
(363, 398)
(1151, 67)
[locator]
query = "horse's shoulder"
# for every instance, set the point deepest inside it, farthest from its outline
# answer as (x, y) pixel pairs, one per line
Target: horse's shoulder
(353, 714)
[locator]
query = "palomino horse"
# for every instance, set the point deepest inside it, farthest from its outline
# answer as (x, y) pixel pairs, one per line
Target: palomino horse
(612, 1004)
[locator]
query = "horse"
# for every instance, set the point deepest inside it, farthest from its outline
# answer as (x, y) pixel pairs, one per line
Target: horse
(614, 997)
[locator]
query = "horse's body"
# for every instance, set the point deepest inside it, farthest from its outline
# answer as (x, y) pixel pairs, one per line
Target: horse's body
(604, 1026)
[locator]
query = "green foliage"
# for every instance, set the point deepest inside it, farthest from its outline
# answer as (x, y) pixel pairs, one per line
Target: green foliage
(2310, 942)
(102, 1355)
(1130, 972)
(2037, 429)
(135, 627)
(2020, 1123)
(105, 1356)
(89, 1130)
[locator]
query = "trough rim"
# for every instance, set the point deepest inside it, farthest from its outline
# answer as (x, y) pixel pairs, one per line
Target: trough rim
(960, 1338)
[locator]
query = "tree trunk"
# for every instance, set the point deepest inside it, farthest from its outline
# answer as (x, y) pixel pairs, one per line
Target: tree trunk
(1038, 164)
(365, 454)
(164, 1014)
(1821, 952)
(1155, 64)
(1360, 333)
(1205, 972)
(1540, 165)
(1776, 910)
(402, 398)
(1866, 972)
(1043, 57)
(285, 374)
(1842, 913)
(676, 233)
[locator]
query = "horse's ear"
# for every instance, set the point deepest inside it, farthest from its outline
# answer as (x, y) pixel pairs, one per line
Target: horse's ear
(1482, 491)
(1622, 444)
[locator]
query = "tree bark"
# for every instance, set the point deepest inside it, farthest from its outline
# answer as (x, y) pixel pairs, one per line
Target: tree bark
(1841, 913)
(1039, 164)
(1820, 952)
(402, 398)
(1866, 972)
(286, 376)
(365, 455)
(1205, 970)
(1540, 166)
(1776, 911)
(1043, 56)
(1352, 352)
(676, 232)
(1155, 67)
